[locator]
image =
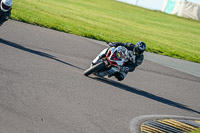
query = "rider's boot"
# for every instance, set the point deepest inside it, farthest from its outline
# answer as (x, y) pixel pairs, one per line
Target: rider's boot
(120, 75)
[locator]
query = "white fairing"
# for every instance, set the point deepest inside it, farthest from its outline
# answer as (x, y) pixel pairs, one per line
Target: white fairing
(124, 51)
(97, 58)
(120, 62)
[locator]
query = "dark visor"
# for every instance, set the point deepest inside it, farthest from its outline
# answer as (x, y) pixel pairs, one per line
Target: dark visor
(137, 50)
(5, 7)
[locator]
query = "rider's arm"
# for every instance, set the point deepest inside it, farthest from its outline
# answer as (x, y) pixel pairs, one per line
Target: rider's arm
(132, 65)
(129, 46)
(116, 44)
(139, 59)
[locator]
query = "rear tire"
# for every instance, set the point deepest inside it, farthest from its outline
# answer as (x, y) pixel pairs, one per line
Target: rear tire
(95, 68)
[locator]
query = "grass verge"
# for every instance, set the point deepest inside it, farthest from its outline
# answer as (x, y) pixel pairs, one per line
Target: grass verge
(195, 131)
(109, 20)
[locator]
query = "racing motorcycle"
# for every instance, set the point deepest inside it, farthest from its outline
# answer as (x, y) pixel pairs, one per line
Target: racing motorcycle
(109, 60)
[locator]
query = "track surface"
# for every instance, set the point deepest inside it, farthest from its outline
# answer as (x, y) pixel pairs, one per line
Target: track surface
(43, 89)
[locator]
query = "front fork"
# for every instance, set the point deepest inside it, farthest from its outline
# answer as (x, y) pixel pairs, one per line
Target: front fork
(110, 70)
(101, 57)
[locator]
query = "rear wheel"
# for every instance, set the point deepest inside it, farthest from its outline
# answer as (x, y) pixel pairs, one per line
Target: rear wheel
(95, 68)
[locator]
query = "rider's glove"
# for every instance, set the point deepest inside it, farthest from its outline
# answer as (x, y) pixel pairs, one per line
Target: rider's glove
(132, 56)
(112, 44)
(124, 69)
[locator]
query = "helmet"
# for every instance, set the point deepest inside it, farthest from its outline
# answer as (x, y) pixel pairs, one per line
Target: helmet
(6, 5)
(140, 47)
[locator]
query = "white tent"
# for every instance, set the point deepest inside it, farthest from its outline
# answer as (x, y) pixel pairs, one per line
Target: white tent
(182, 8)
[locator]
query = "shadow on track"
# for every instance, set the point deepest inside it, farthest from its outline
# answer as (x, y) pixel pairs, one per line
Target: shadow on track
(144, 94)
(36, 52)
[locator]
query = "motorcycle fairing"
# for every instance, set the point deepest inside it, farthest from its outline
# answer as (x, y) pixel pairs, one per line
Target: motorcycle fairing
(97, 60)
(115, 56)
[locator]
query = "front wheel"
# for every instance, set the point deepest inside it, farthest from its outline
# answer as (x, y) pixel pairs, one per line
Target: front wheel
(95, 68)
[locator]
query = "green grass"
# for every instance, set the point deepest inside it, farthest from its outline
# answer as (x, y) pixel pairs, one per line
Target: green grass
(195, 131)
(109, 20)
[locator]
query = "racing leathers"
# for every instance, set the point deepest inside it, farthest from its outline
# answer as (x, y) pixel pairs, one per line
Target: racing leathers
(4, 16)
(134, 61)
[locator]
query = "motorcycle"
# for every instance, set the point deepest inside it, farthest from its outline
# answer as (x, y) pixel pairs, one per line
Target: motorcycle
(109, 60)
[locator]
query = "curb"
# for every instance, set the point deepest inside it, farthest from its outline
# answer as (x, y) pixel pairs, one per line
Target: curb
(163, 124)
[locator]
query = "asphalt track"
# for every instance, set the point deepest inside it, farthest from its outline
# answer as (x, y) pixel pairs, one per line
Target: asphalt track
(43, 89)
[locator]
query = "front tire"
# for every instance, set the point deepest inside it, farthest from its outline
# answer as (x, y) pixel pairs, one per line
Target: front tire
(95, 68)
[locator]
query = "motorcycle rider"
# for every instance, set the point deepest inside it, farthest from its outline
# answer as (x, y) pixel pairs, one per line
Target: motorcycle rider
(5, 10)
(136, 58)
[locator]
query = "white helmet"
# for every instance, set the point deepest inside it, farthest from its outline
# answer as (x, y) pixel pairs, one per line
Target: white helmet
(6, 5)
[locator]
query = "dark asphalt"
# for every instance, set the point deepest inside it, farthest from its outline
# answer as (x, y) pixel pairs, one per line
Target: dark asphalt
(43, 89)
